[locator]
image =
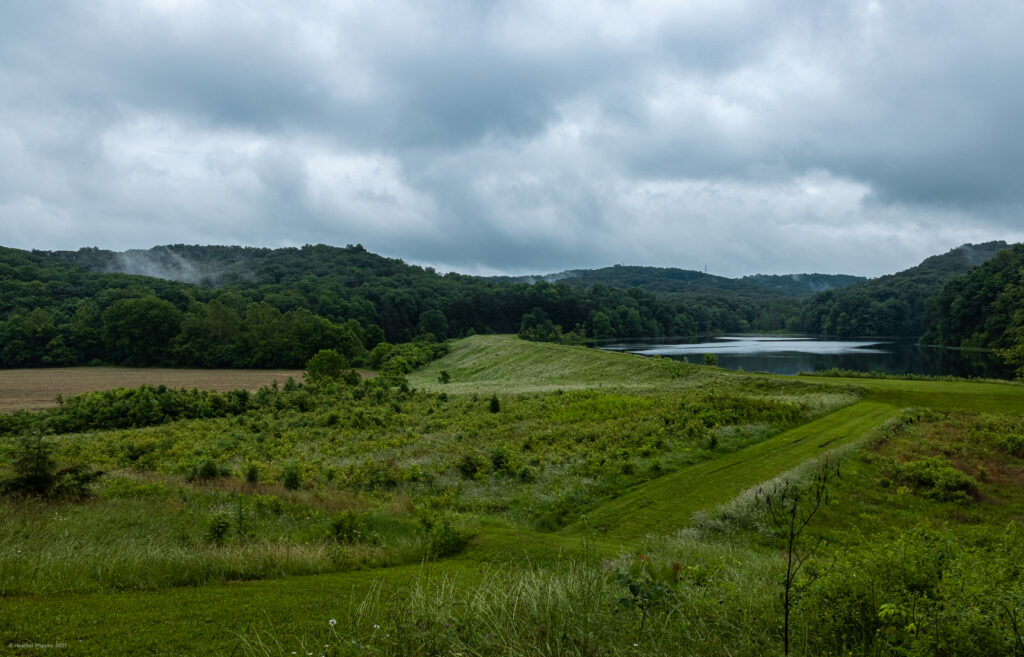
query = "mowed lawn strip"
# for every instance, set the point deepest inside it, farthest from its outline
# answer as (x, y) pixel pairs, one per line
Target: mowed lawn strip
(506, 365)
(966, 396)
(666, 504)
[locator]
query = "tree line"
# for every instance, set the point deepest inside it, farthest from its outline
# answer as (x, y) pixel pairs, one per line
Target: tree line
(247, 307)
(280, 307)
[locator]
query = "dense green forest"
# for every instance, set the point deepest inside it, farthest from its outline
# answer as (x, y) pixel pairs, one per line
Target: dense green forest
(217, 306)
(984, 309)
(760, 302)
(892, 305)
(276, 308)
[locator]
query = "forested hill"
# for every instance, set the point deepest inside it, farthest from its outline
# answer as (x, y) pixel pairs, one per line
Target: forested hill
(893, 305)
(275, 308)
(250, 307)
(670, 280)
(984, 309)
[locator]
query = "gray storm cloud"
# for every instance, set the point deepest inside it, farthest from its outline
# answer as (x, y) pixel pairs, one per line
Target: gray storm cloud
(851, 137)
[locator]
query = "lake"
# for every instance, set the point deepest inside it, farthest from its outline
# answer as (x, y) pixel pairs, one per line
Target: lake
(794, 354)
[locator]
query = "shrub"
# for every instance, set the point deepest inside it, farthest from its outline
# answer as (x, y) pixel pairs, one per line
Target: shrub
(936, 478)
(1013, 443)
(326, 364)
(345, 527)
(34, 467)
(218, 527)
(73, 482)
(35, 473)
(205, 470)
(291, 476)
(471, 465)
(443, 540)
(499, 459)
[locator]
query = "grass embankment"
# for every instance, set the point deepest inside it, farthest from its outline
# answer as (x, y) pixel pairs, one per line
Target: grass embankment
(218, 619)
(506, 365)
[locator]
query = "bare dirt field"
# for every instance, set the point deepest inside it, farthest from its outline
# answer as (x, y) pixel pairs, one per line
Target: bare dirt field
(33, 389)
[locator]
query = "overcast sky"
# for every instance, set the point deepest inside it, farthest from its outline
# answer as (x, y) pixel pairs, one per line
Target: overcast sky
(518, 137)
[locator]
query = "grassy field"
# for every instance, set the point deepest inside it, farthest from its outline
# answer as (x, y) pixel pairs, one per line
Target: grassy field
(504, 364)
(591, 457)
(33, 389)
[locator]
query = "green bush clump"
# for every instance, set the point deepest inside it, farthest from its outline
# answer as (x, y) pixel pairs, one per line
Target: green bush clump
(291, 476)
(923, 593)
(36, 473)
(443, 540)
(218, 527)
(471, 466)
(936, 478)
(345, 527)
(252, 473)
(206, 470)
(1013, 444)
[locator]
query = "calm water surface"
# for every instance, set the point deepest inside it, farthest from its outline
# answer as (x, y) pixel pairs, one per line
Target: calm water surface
(790, 355)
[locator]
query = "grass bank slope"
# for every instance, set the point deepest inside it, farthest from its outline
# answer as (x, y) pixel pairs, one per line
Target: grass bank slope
(506, 364)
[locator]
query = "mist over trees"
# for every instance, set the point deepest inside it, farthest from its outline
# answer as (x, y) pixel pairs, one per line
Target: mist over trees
(249, 307)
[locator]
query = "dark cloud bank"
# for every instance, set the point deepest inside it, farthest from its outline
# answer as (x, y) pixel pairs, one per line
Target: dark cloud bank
(499, 137)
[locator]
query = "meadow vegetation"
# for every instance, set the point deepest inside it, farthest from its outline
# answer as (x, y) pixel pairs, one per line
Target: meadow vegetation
(525, 498)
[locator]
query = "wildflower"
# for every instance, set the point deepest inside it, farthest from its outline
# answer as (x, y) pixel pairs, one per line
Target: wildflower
(376, 627)
(332, 623)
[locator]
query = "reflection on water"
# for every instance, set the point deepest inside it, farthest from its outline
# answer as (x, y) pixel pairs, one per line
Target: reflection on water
(790, 355)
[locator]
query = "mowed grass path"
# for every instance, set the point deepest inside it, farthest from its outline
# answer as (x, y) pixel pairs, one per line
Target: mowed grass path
(965, 396)
(212, 619)
(667, 503)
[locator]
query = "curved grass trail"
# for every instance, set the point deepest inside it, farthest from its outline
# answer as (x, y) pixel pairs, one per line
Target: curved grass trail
(665, 504)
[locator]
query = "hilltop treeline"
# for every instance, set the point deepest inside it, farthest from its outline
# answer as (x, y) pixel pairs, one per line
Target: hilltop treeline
(276, 308)
(893, 305)
(250, 307)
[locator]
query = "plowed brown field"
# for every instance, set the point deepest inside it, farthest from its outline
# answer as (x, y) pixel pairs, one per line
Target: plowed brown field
(33, 389)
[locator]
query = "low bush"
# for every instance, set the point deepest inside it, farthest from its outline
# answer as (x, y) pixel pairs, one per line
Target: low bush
(936, 477)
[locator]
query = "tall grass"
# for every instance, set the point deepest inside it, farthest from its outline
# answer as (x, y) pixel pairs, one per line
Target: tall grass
(722, 602)
(163, 541)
